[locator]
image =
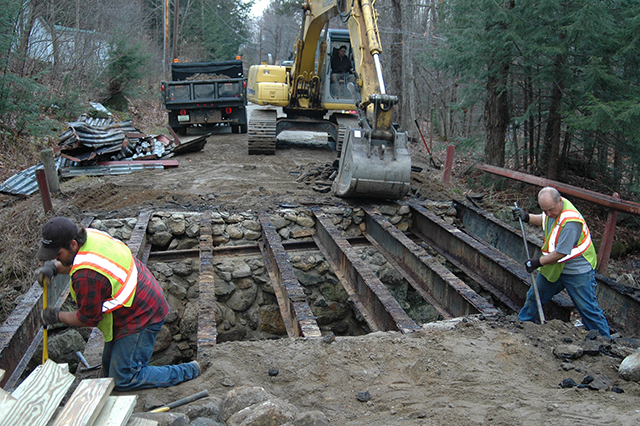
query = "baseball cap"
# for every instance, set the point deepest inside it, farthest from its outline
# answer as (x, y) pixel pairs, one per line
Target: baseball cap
(56, 233)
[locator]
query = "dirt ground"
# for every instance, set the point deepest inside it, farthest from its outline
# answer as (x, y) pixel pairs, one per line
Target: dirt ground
(480, 371)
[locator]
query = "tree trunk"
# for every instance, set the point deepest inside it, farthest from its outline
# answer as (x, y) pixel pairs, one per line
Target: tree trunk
(496, 116)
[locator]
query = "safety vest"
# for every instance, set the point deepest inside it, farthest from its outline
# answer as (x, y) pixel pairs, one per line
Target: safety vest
(583, 247)
(113, 259)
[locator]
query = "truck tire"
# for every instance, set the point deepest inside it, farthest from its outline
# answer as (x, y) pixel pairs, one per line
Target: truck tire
(235, 129)
(243, 128)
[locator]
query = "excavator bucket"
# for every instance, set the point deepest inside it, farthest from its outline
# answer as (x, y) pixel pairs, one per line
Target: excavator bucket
(373, 168)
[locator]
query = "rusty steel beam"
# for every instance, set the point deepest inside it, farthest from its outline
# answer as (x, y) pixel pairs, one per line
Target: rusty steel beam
(21, 333)
(226, 251)
(621, 304)
(138, 240)
(360, 281)
(438, 286)
(207, 331)
(497, 273)
(294, 306)
(584, 194)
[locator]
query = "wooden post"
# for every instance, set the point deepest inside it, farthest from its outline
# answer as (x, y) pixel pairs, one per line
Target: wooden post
(50, 169)
(448, 164)
(44, 190)
(607, 239)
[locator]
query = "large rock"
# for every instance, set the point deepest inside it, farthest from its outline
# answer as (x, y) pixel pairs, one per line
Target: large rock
(242, 270)
(273, 412)
(243, 397)
(312, 418)
(630, 367)
(210, 407)
(271, 320)
(241, 300)
(63, 347)
(177, 224)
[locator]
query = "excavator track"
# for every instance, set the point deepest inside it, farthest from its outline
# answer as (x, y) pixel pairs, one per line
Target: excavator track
(344, 122)
(262, 132)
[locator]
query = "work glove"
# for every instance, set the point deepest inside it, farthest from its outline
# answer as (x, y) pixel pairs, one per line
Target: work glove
(532, 264)
(48, 269)
(518, 213)
(49, 316)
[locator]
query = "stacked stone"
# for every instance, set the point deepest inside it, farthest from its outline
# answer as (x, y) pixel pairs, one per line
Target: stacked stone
(246, 306)
(177, 341)
(117, 228)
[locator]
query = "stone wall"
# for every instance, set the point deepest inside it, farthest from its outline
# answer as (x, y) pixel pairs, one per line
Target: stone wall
(246, 306)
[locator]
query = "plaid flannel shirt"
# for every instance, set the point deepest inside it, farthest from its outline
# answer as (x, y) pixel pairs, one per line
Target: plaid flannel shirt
(149, 304)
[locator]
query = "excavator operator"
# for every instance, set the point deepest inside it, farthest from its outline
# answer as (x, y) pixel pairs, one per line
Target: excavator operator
(341, 73)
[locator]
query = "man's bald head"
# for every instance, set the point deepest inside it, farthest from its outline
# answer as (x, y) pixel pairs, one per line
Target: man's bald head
(550, 201)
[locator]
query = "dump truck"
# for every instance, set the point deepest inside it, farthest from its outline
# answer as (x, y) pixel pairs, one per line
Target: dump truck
(206, 95)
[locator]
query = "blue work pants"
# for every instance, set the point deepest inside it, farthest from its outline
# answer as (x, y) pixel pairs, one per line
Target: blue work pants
(127, 361)
(581, 288)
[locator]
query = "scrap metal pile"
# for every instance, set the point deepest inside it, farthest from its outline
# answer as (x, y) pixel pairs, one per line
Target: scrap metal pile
(101, 146)
(90, 140)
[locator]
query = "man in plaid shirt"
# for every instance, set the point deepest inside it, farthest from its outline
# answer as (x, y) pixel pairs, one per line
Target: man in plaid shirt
(115, 292)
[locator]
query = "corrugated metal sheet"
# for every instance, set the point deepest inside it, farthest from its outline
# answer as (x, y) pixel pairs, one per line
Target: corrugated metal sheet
(108, 170)
(24, 182)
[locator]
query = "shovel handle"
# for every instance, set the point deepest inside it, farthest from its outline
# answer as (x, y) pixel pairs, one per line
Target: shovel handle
(45, 333)
(533, 280)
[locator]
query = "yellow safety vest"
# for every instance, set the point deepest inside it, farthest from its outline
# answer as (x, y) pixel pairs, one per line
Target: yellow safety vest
(584, 246)
(113, 259)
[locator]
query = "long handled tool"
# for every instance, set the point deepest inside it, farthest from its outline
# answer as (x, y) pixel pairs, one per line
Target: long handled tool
(533, 279)
(180, 402)
(427, 146)
(45, 332)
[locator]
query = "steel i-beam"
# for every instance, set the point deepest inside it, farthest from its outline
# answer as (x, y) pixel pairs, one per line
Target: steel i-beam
(360, 281)
(438, 286)
(294, 307)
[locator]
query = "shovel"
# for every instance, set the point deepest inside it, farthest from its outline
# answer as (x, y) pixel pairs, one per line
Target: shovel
(427, 146)
(533, 279)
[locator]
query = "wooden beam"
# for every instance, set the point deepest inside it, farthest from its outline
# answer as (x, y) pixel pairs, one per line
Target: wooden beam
(85, 403)
(39, 395)
(138, 421)
(116, 411)
(6, 402)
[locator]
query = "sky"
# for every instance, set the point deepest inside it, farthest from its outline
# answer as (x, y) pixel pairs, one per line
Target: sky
(258, 7)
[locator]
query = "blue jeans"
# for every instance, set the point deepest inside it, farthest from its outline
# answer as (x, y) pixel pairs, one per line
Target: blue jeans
(127, 361)
(581, 288)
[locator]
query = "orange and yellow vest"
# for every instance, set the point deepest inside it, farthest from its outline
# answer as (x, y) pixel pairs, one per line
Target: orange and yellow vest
(584, 246)
(113, 259)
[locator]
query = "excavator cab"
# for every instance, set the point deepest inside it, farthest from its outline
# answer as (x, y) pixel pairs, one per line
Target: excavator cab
(338, 71)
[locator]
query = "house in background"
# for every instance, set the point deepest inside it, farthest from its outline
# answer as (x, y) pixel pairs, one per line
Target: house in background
(67, 48)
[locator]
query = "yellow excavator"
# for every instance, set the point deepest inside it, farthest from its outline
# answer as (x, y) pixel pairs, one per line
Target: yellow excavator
(374, 157)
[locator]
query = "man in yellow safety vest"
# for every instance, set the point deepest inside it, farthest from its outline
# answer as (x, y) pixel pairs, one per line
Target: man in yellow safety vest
(568, 260)
(116, 293)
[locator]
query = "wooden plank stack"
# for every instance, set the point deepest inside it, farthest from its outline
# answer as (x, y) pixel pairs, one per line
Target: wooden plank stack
(37, 399)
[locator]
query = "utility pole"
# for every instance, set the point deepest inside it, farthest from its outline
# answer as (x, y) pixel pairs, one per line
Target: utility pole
(176, 9)
(165, 48)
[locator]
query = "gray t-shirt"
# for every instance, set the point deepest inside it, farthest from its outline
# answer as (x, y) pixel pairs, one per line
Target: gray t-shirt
(566, 241)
